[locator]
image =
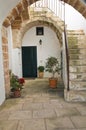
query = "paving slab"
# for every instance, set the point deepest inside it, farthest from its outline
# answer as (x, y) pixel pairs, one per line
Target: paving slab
(42, 99)
(52, 105)
(72, 104)
(17, 107)
(32, 106)
(44, 113)
(55, 101)
(79, 121)
(32, 124)
(58, 123)
(82, 110)
(69, 129)
(8, 125)
(66, 112)
(4, 115)
(27, 98)
(16, 115)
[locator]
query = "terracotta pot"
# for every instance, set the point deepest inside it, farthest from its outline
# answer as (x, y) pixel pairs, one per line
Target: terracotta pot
(41, 74)
(17, 93)
(53, 82)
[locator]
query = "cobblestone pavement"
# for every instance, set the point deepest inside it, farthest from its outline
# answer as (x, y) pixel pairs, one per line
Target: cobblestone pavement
(42, 108)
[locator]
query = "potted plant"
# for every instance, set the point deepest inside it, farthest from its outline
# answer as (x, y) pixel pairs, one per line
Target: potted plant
(40, 71)
(16, 85)
(53, 67)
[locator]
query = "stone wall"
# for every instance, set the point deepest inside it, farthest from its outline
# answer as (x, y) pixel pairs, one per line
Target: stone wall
(77, 66)
(16, 34)
(5, 59)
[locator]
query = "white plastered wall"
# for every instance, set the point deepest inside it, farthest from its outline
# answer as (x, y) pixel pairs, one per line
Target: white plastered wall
(16, 62)
(14, 55)
(2, 86)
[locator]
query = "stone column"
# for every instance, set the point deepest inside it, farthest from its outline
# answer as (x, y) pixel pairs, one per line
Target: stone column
(5, 60)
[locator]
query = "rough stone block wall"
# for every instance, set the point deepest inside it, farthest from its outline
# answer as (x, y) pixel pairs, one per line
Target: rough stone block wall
(77, 66)
(5, 60)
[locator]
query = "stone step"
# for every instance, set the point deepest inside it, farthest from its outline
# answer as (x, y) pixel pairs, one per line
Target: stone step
(77, 85)
(76, 47)
(77, 77)
(77, 62)
(77, 56)
(78, 51)
(80, 57)
(75, 95)
(78, 74)
(78, 44)
(75, 32)
(77, 69)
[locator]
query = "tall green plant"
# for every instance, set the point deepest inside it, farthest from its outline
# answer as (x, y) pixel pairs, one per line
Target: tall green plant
(40, 68)
(52, 66)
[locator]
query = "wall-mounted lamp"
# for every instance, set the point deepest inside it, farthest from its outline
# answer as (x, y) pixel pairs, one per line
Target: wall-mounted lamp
(40, 42)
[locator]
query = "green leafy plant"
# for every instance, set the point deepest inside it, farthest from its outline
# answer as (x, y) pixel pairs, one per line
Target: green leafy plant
(52, 66)
(41, 68)
(15, 83)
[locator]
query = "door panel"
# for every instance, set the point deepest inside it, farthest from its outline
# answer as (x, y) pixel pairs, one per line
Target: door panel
(29, 61)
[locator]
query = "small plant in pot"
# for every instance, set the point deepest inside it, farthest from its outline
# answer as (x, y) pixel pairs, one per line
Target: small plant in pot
(16, 85)
(40, 71)
(53, 67)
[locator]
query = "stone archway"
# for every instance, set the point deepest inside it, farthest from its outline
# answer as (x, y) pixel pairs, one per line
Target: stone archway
(46, 22)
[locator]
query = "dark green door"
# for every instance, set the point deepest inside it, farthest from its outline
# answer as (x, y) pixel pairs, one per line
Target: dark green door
(29, 61)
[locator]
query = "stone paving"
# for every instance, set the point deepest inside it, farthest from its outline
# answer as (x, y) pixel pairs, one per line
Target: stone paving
(42, 108)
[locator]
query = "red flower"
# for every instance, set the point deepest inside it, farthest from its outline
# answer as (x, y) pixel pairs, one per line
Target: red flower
(21, 80)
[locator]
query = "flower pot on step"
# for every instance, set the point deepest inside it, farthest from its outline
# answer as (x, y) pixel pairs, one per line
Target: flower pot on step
(53, 82)
(41, 74)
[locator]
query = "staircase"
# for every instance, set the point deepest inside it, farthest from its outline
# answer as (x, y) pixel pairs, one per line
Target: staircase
(77, 66)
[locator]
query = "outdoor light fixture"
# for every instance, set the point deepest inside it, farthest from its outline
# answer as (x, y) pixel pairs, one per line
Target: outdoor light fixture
(40, 42)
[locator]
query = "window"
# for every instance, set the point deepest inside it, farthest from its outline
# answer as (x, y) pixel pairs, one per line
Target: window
(39, 31)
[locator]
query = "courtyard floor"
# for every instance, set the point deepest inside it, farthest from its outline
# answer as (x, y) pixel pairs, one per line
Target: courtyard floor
(42, 108)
